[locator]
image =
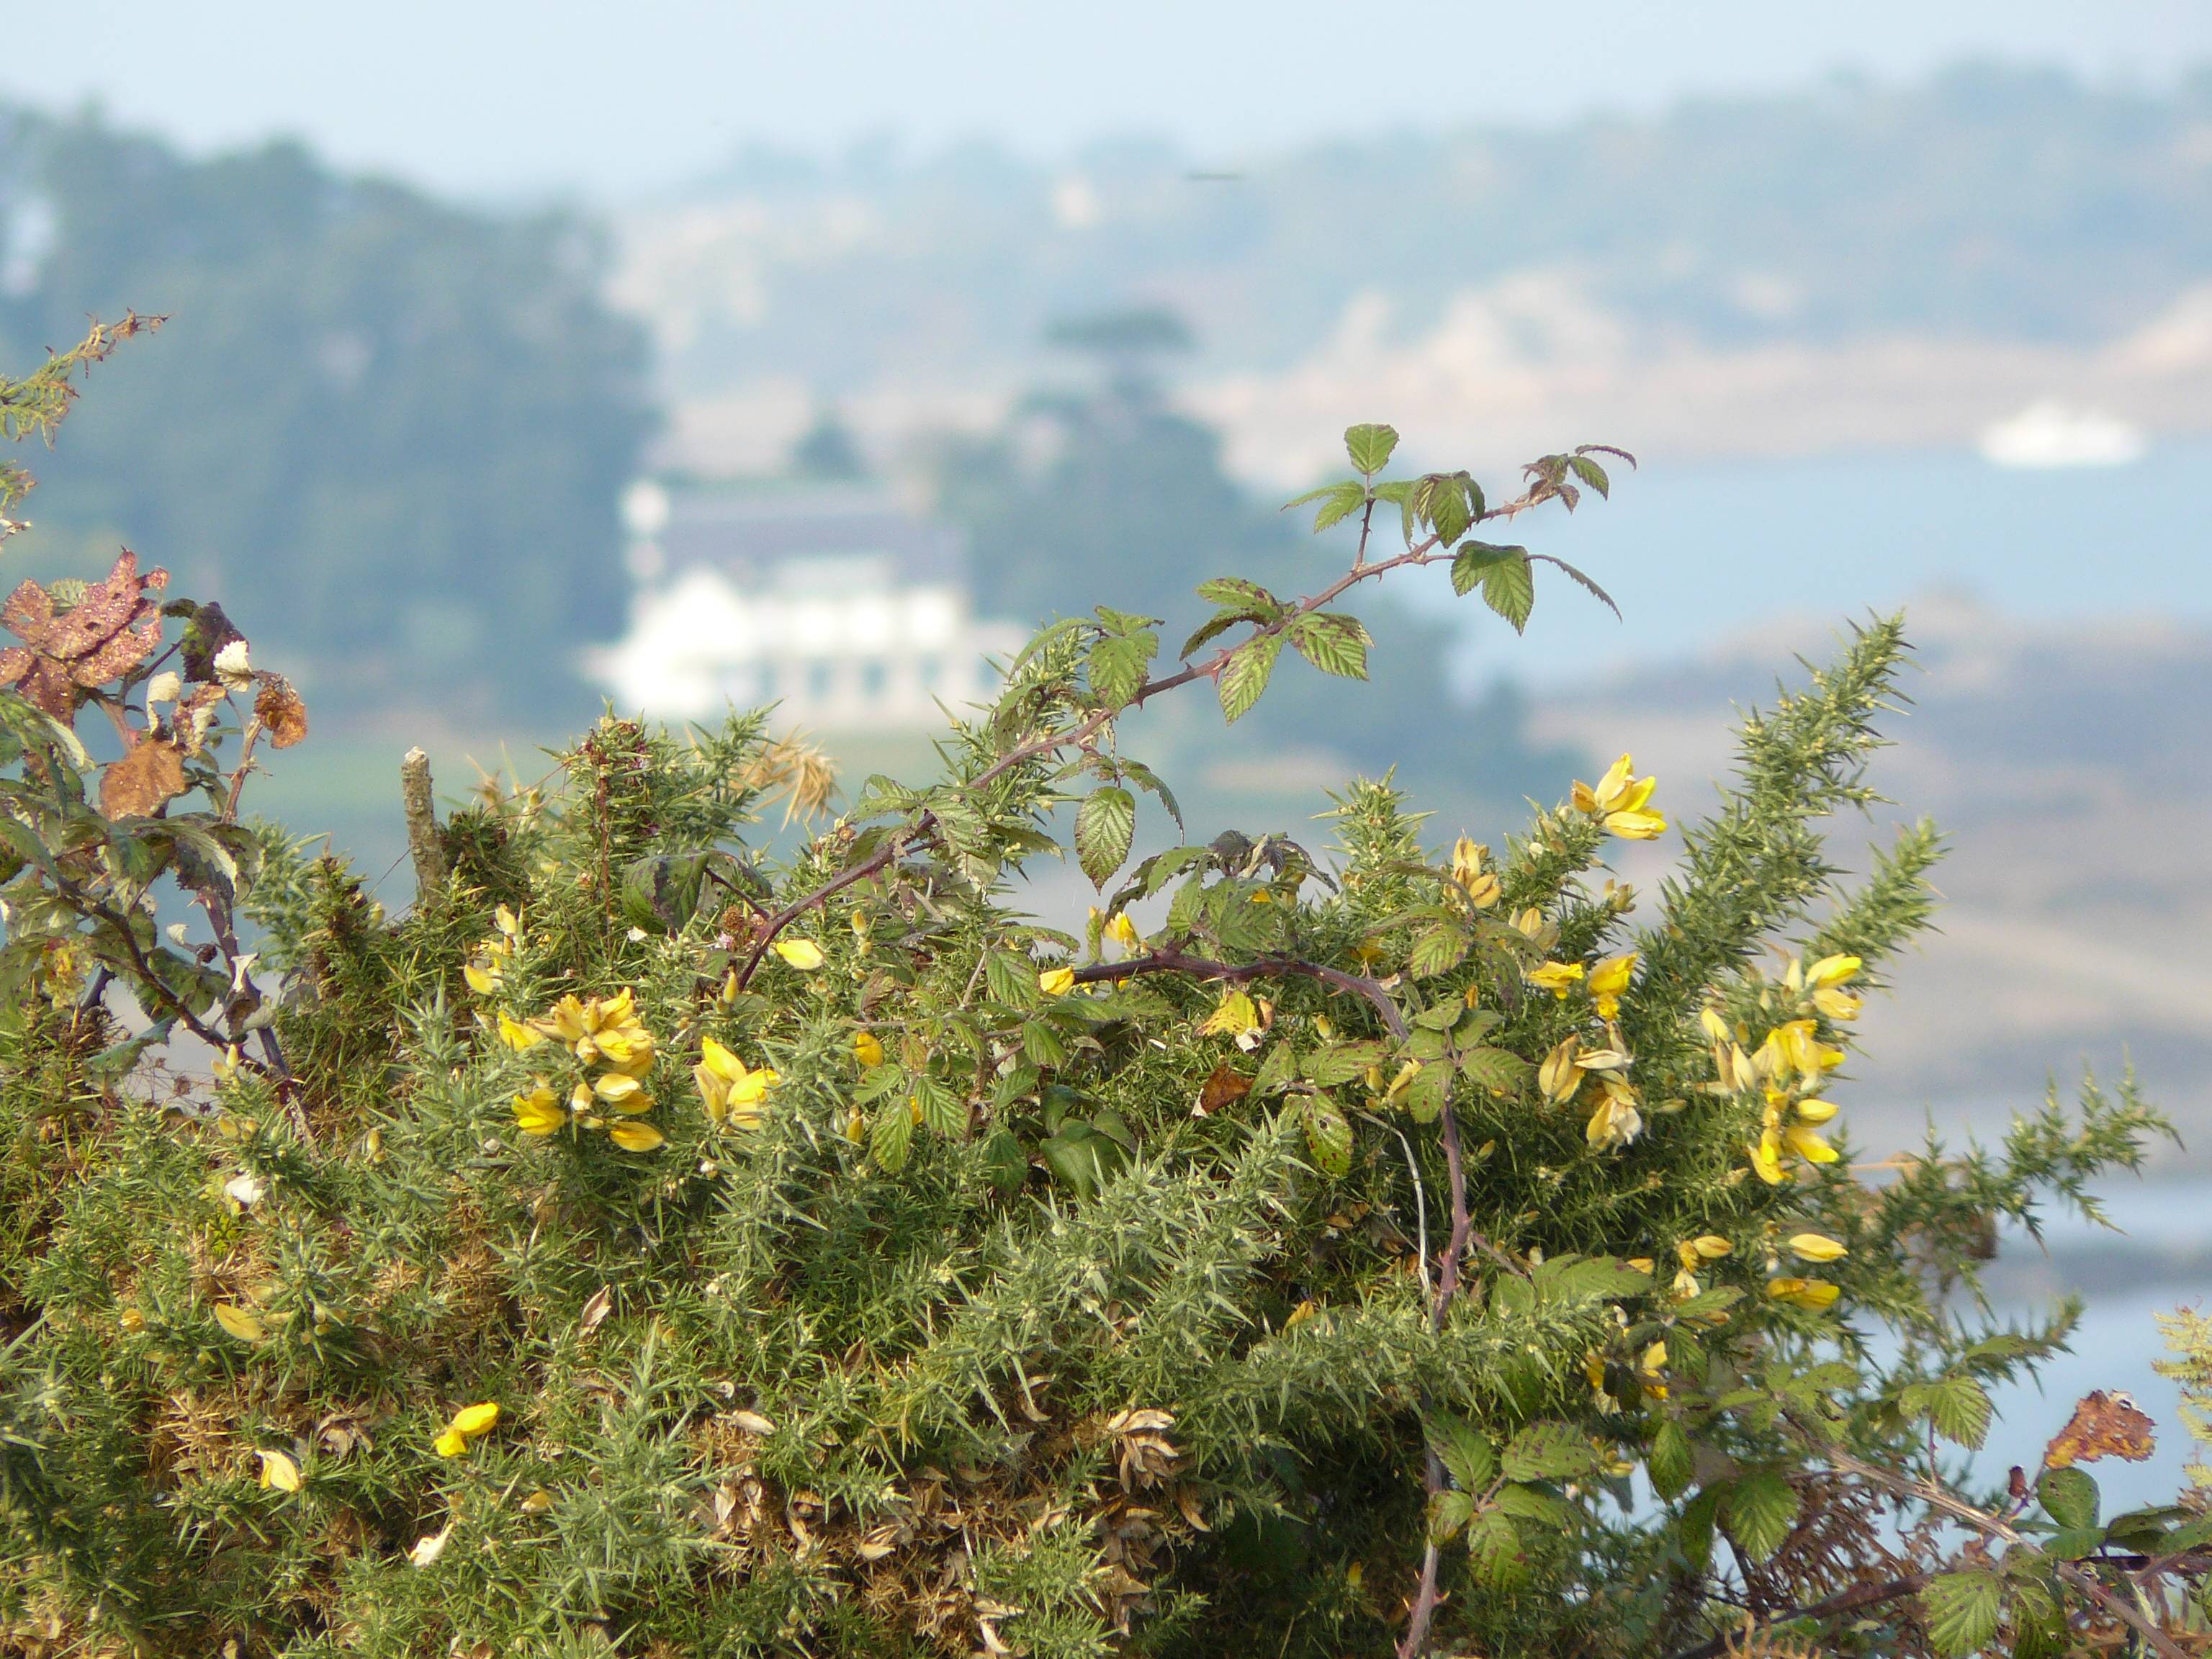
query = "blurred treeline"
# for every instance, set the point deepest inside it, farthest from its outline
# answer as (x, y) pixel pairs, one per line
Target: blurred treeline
(390, 433)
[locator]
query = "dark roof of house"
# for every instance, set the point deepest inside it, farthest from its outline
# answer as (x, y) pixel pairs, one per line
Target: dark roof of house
(747, 535)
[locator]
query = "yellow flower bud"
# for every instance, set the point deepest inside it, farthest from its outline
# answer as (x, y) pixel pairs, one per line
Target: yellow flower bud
(1817, 1246)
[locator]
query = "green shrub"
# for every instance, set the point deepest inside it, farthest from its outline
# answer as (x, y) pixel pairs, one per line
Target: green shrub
(646, 1244)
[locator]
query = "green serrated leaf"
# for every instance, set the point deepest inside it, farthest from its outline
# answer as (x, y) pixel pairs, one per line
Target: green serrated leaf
(1548, 1451)
(1437, 951)
(2069, 1497)
(1449, 1514)
(1245, 675)
(1509, 588)
(1011, 978)
(1343, 1062)
(1960, 1408)
(1668, 1461)
(1334, 643)
(1105, 824)
(1591, 474)
(1247, 599)
(942, 1111)
(1338, 501)
(1279, 1067)
(1465, 1455)
(1758, 1512)
(890, 1137)
(1370, 444)
(1117, 665)
(1493, 1550)
(1474, 559)
(1329, 1136)
(1494, 1069)
(1963, 1611)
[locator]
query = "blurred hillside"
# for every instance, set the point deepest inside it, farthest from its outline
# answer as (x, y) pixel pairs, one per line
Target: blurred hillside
(1850, 266)
(2066, 764)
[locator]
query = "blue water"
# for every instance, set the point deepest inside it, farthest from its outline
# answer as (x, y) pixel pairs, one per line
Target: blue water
(1695, 552)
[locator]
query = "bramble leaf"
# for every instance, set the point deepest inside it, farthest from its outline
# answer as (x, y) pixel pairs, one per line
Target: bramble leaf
(1245, 675)
(1370, 444)
(1105, 825)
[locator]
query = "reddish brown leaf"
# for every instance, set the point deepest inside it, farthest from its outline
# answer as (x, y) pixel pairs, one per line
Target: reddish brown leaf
(1224, 1088)
(28, 613)
(137, 786)
(117, 655)
(108, 607)
(2103, 1425)
(279, 708)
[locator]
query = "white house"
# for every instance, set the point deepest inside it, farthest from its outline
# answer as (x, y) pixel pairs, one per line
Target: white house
(833, 603)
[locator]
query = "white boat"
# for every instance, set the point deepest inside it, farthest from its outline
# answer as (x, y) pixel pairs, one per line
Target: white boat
(2049, 433)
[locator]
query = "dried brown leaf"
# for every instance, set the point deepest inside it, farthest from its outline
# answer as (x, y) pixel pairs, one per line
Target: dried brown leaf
(2103, 1425)
(1224, 1088)
(137, 786)
(281, 709)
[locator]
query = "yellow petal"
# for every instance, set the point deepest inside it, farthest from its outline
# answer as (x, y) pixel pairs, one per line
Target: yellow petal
(867, 1048)
(537, 1503)
(615, 1087)
(803, 954)
(539, 1113)
(278, 1471)
(1558, 1076)
(714, 1093)
(1766, 1159)
(1637, 826)
(1710, 1246)
(1123, 932)
(1056, 981)
(1832, 970)
(1655, 1360)
(1810, 1146)
(1609, 787)
(448, 1444)
(1816, 1111)
(634, 1137)
(482, 981)
(517, 1036)
(1817, 1246)
(505, 920)
(473, 1420)
(240, 1322)
(1843, 1007)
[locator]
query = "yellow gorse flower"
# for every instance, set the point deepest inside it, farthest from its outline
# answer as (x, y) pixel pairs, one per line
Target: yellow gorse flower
(1056, 981)
(803, 954)
(1620, 802)
(1481, 884)
(1123, 932)
(1609, 980)
(278, 1471)
(867, 1048)
(614, 1051)
(467, 1424)
(1557, 977)
(1817, 1246)
(1816, 1294)
(1618, 1119)
(734, 1095)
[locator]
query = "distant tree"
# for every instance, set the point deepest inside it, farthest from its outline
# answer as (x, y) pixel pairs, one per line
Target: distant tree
(828, 450)
(420, 491)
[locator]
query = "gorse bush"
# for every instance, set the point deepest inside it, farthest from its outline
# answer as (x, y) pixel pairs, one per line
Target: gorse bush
(1351, 1245)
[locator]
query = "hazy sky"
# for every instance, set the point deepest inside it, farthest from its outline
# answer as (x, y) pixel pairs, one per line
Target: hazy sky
(616, 95)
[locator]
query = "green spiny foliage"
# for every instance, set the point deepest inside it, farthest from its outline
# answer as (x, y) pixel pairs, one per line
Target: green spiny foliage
(647, 1244)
